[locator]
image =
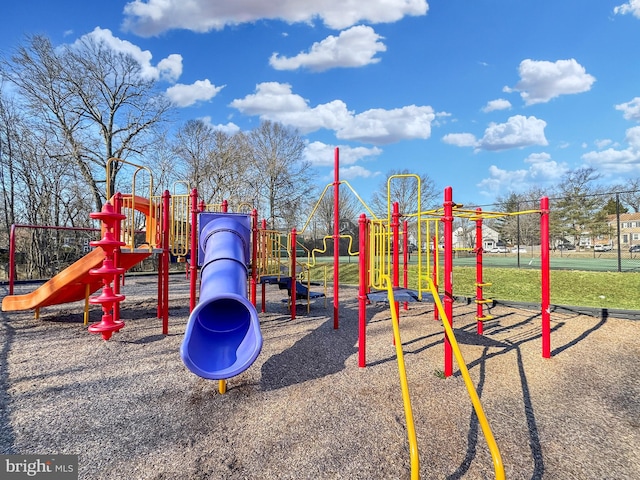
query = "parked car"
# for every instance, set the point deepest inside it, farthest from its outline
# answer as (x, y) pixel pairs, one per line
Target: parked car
(499, 249)
(518, 249)
(634, 248)
(566, 246)
(599, 247)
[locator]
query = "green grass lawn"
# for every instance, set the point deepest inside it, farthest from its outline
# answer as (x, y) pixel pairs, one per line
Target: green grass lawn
(568, 287)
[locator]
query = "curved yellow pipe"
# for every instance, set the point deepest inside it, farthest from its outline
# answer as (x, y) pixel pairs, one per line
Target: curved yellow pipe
(475, 400)
(406, 399)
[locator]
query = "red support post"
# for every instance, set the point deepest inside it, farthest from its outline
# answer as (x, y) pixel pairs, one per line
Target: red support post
(193, 256)
(545, 277)
(166, 230)
(447, 219)
(479, 272)
(293, 274)
(12, 258)
(336, 237)
(264, 248)
(405, 253)
(363, 264)
(224, 206)
(108, 272)
(117, 232)
(395, 234)
(254, 254)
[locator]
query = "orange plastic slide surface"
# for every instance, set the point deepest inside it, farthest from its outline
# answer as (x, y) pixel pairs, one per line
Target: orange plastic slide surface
(70, 284)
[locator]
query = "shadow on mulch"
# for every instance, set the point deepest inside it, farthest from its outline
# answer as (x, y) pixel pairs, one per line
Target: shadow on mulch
(322, 352)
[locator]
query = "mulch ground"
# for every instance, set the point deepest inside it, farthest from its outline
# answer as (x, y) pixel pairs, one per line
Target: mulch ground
(130, 408)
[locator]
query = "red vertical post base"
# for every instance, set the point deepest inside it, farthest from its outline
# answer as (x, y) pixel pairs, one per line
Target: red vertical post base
(447, 219)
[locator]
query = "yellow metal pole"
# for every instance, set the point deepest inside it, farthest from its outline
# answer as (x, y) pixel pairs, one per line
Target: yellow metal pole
(475, 400)
(222, 386)
(406, 399)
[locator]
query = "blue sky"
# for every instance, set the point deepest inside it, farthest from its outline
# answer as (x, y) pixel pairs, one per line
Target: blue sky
(486, 96)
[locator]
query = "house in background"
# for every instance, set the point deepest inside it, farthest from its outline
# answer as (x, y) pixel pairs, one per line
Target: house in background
(629, 229)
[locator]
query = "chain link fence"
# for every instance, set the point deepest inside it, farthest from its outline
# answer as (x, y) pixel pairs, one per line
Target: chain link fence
(596, 232)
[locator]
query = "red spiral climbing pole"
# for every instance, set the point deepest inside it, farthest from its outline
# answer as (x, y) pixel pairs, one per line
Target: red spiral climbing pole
(108, 272)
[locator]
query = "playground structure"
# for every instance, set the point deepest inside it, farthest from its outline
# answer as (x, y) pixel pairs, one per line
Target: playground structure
(223, 338)
(379, 269)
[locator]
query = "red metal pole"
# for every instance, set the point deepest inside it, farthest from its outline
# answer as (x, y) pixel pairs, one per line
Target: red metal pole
(293, 274)
(395, 234)
(166, 196)
(193, 256)
(336, 237)
(362, 291)
(447, 219)
(254, 254)
(545, 277)
(159, 238)
(12, 257)
(264, 254)
(119, 277)
(479, 281)
(225, 206)
(405, 252)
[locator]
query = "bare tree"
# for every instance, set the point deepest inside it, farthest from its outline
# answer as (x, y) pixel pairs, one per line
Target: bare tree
(280, 175)
(214, 162)
(348, 206)
(10, 123)
(403, 188)
(630, 193)
(94, 101)
(519, 229)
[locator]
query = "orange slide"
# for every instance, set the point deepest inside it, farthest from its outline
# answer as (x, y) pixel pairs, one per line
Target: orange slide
(70, 284)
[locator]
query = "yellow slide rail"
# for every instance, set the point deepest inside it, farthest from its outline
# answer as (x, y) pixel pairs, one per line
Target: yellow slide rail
(404, 384)
(475, 399)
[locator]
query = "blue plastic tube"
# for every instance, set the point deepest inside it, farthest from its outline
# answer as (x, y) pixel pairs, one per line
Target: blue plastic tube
(223, 337)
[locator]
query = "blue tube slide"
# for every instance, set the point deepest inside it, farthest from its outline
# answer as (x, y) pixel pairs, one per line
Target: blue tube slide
(223, 337)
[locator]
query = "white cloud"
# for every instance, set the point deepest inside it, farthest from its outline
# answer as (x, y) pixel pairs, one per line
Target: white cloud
(355, 47)
(618, 161)
(380, 126)
(542, 171)
(630, 110)
(519, 131)
(460, 139)
(323, 155)
(228, 128)
(356, 171)
(276, 102)
(168, 69)
(186, 95)
(540, 81)
(605, 142)
(498, 104)
(171, 67)
(152, 17)
(632, 7)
